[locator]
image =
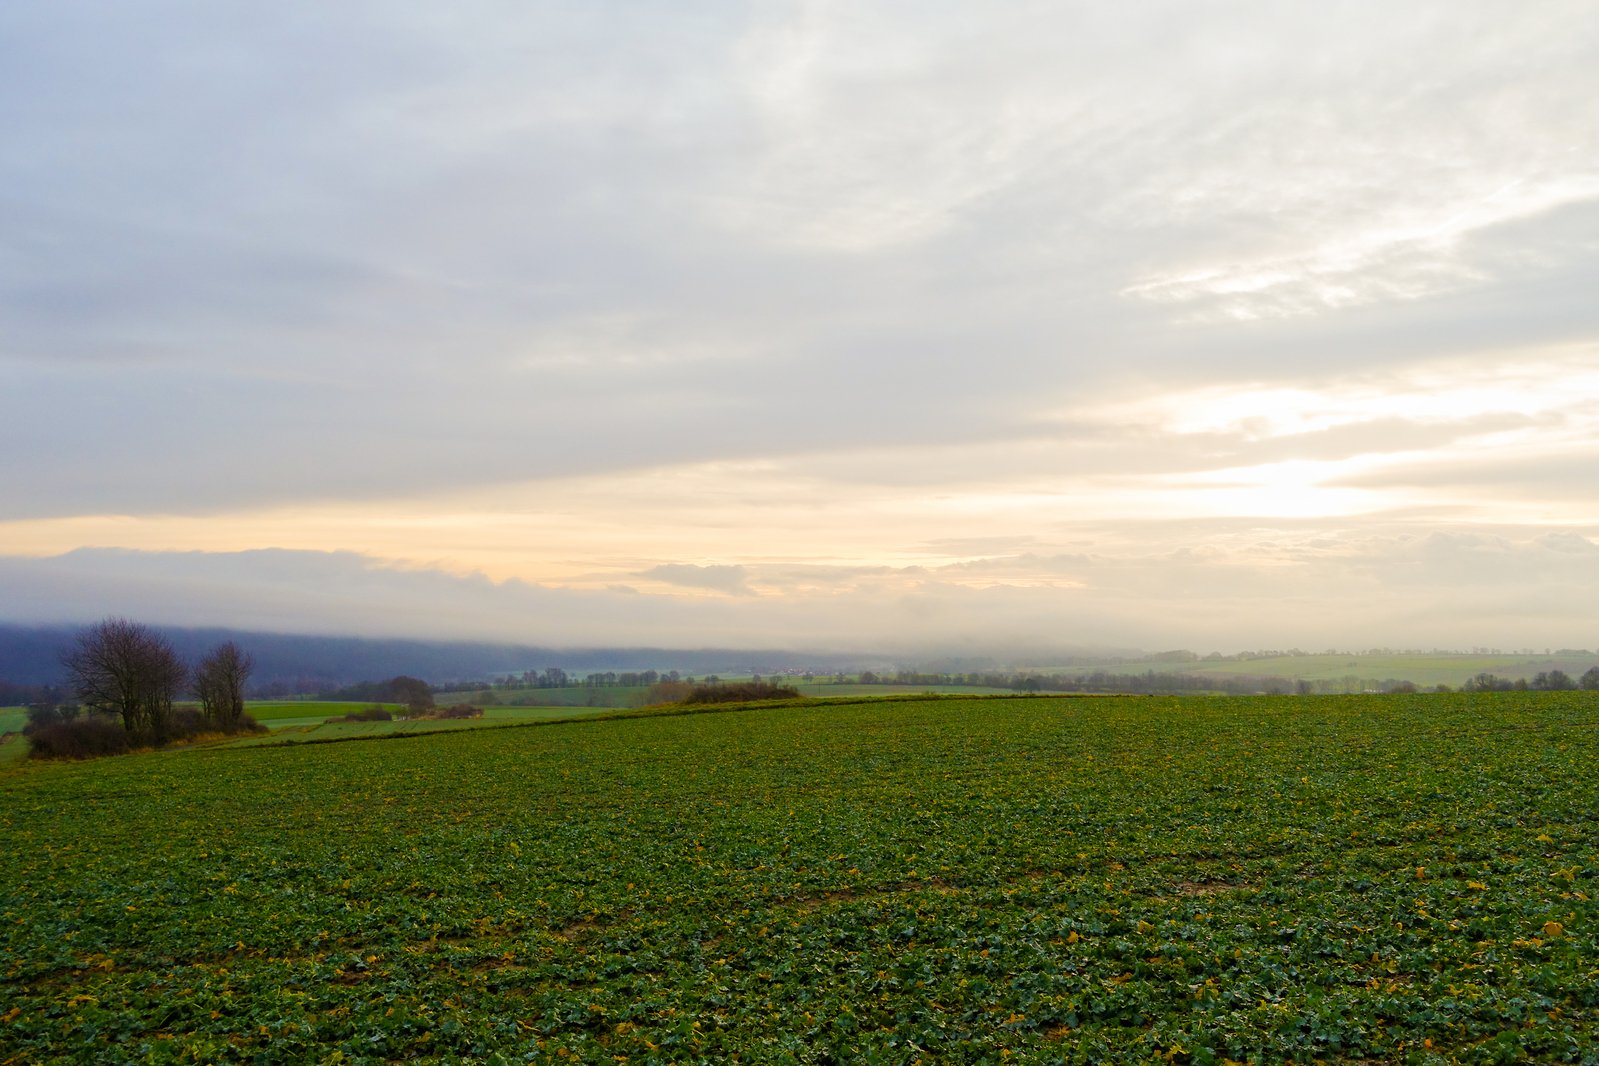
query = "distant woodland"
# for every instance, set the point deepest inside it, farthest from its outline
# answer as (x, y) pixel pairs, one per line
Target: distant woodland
(32, 668)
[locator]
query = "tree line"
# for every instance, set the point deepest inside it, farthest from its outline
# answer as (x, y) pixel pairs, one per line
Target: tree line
(1543, 681)
(416, 694)
(555, 677)
(1156, 681)
(1143, 683)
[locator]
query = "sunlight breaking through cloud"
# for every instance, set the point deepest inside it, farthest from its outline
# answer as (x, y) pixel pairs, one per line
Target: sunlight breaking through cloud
(849, 316)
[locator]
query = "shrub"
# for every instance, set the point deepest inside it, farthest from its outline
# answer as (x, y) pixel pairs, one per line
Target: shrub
(416, 694)
(373, 713)
(81, 738)
(41, 715)
(668, 691)
(745, 690)
(63, 734)
(186, 722)
(459, 710)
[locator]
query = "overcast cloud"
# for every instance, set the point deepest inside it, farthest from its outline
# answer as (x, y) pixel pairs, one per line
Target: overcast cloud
(1215, 325)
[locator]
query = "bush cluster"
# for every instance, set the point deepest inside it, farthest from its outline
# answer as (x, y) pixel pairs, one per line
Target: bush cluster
(56, 733)
(127, 675)
(373, 713)
(670, 690)
(743, 690)
(460, 710)
(77, 738)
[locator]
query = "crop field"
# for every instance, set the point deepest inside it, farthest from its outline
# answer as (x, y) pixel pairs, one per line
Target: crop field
(1428, 670)
(300, 731)
(286, 727)
(827, 689)
(13, 748)
(619, 697)
(602, 696)
(1365, 878)
(316, 732)
(269, 712)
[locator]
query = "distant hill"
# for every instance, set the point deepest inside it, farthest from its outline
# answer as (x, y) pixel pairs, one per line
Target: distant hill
(290, 663)
(31, 655)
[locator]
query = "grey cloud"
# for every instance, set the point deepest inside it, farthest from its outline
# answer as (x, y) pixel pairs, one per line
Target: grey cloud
(341, 592)
(1551, 477)
(728, 579)
(1475, 560)
(1305, 588)
(412, 216)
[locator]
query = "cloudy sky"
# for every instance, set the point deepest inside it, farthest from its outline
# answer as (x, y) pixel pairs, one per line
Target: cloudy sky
(912, 325)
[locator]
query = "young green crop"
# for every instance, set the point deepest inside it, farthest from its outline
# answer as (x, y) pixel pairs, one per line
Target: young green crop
(268, 712)
(1040, 880)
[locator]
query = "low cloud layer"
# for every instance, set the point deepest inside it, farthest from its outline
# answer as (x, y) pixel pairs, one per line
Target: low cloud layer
(1465, 590)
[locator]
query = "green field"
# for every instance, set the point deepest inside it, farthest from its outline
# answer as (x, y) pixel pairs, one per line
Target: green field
(826, 689)
(302, 721)
(324, 731)
(1372, 878)
(1448, 669)
(270, 712)
(317, 729)
(622, 697)
(13, 748)
(600, 696)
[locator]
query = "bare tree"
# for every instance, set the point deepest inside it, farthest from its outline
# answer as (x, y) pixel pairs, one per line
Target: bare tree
(219, 683)
(126, 668)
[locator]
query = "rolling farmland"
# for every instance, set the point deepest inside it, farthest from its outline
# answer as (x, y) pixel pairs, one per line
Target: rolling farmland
(1425, 670)
(294, 722)
(1381, 878)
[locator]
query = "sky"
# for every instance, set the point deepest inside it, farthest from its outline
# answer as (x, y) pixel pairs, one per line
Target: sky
(920, 327)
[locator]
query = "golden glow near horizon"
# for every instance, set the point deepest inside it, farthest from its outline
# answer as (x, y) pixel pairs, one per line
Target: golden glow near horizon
(861, 510)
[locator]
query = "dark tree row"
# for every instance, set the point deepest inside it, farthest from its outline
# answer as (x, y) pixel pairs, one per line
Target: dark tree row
(416, 694)
(1543, 681)
(1148, 682)
(1152, 681)
(126, 674)
(127, 669)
